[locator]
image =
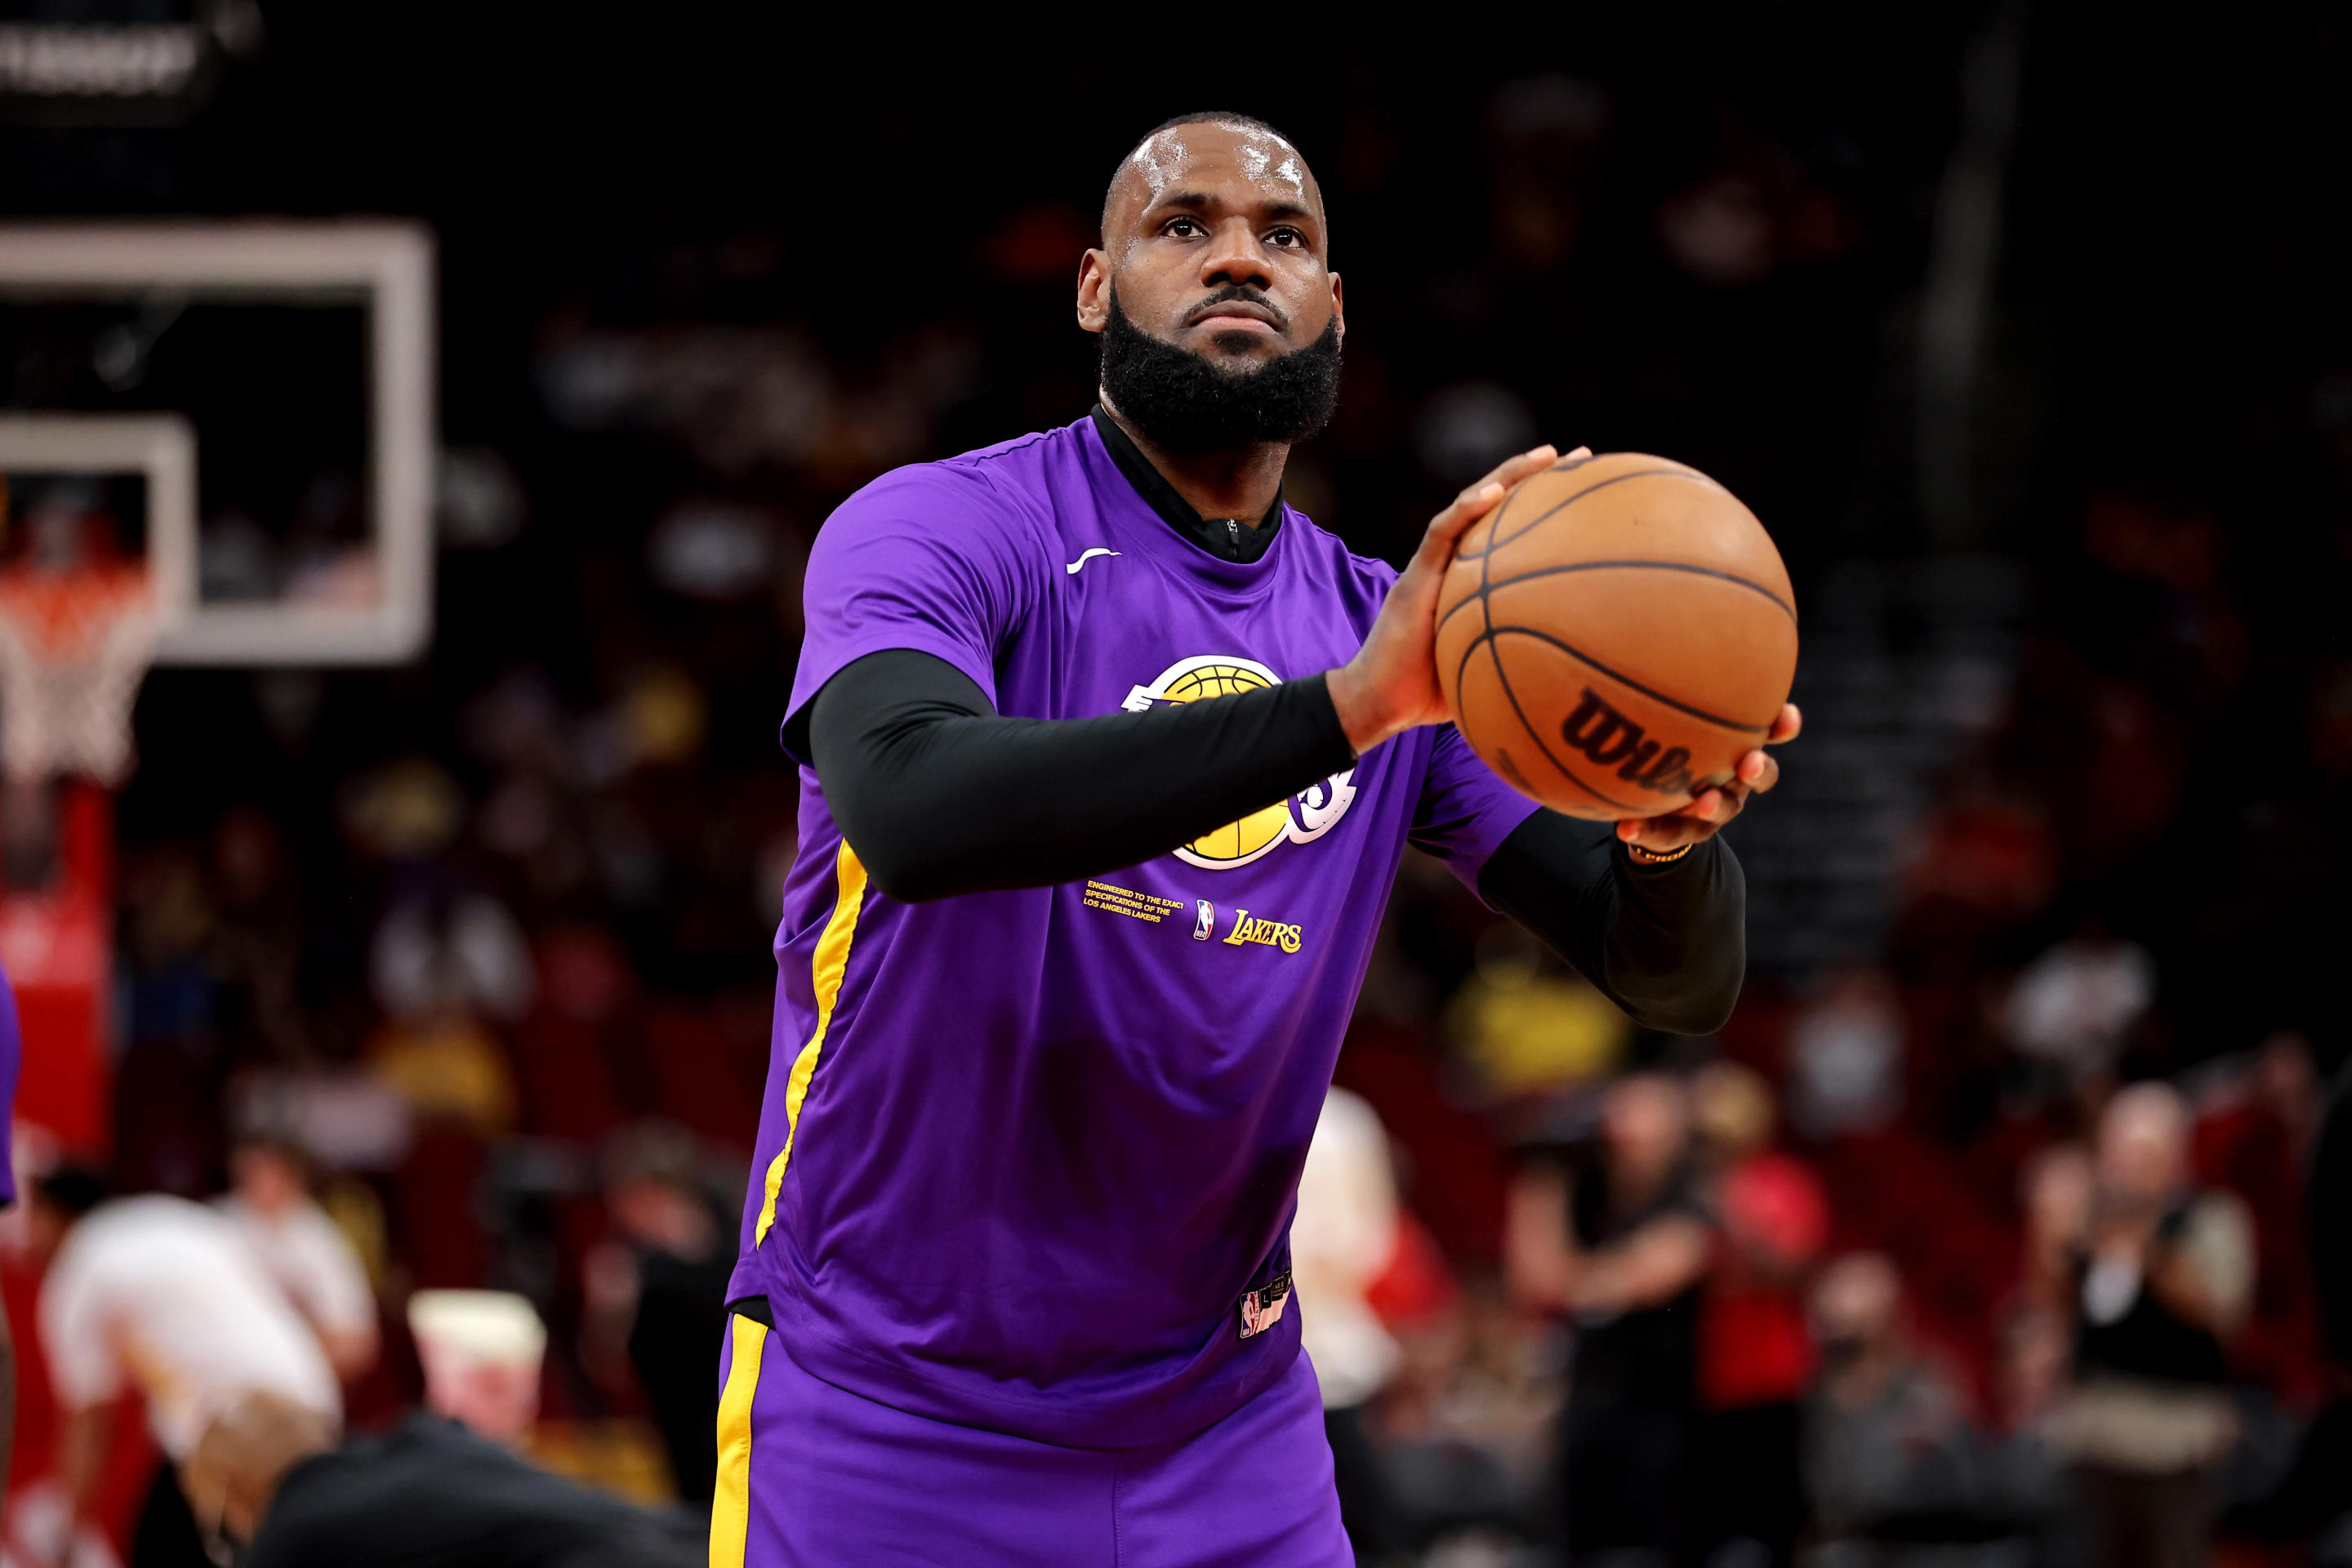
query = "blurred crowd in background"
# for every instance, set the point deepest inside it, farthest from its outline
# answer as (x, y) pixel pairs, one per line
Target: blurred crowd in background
(1978, 1236)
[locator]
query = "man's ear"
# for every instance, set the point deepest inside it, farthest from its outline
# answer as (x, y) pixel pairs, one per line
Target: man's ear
(1094, 290)
(1339, 308)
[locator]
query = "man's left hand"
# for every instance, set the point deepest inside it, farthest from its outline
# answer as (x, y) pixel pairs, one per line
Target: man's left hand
(1704, 817)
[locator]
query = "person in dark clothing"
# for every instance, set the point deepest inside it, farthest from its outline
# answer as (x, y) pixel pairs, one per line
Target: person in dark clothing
(681, 1315)
(2165, 1273)
(2316, 1492)
(1623, 1252)
(270, 1475)
(658, 1291)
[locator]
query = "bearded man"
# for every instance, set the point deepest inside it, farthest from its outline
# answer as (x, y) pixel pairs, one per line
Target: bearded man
(1108, 757)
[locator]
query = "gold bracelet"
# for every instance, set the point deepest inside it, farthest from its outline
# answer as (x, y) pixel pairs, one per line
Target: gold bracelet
(1641, 856)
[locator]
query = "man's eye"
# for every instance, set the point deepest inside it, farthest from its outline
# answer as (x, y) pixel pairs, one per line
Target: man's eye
(1286, 236)
(1182, 228)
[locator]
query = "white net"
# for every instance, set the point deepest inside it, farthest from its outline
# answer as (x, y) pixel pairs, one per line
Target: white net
(74, 645)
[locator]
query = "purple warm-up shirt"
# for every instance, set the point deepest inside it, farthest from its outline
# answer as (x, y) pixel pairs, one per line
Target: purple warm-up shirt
(1022, 1154)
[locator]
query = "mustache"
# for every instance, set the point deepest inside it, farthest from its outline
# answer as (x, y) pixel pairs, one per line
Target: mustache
(1232, 293)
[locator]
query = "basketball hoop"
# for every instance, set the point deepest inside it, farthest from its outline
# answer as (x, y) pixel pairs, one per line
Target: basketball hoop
(74, 645)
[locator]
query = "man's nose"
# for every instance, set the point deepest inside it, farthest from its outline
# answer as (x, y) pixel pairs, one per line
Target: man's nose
(1235, 256)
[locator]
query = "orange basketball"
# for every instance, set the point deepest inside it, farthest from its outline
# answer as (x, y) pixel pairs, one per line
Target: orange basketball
(1616, 635)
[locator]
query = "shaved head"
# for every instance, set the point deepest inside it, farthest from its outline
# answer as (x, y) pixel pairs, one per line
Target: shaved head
(1162, 156)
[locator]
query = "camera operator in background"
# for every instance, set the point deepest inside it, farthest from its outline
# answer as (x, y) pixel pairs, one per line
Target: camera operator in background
(2165, 1273)
(1621, 1243)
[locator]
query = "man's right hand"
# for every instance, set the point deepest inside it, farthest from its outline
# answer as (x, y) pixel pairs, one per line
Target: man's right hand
(1391, 685)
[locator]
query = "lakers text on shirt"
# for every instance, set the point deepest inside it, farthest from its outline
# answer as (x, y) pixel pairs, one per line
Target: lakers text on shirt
(1274, 933)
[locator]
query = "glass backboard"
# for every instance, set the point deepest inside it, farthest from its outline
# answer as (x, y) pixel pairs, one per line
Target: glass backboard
(266, 391)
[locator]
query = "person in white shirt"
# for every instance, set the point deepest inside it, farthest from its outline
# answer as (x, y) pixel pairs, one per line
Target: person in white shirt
(1342, 1240)
(303, 1251)
(159, 1295)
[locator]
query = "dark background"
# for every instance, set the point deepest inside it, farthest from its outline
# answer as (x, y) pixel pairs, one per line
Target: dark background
(2022, 327)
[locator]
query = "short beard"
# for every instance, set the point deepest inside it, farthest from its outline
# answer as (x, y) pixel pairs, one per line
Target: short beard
(1181, 403)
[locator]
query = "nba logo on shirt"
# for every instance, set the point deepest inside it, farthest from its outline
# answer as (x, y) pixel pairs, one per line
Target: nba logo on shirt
(1262, 1308)
(1205, 922)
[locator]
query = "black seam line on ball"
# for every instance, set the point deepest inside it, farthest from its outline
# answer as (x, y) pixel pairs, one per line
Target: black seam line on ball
(1487, 586)
(1483, 566)
(1494, 543)
(1581, 656)
(1537, 735)
(1504, 676)
(1494, 521)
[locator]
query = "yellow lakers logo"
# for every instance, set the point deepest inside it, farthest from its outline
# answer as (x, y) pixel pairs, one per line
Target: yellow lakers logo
(1302, 820)
(1272, 934)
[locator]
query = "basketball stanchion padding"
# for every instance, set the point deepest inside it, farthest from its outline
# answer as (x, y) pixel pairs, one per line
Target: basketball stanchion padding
(1616, 635)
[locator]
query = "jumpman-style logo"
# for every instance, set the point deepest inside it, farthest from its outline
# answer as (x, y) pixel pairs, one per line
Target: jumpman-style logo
(1073, 567)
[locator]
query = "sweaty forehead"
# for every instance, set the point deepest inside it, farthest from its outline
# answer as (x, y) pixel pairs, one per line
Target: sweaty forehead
(1208, 155)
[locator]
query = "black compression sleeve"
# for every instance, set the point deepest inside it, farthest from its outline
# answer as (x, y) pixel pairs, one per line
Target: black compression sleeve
(1667, 943)
(940, 795)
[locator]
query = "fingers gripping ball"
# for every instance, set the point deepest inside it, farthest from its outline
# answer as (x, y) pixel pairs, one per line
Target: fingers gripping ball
(1616, 635)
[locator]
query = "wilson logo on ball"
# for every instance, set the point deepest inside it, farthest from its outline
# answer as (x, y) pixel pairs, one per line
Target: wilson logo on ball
(1613, 740)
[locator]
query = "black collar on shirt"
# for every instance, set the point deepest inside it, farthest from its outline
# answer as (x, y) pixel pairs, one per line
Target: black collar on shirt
(1221, 536)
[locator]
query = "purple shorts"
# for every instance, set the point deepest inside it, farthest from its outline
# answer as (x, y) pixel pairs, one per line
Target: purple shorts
(812, 1476)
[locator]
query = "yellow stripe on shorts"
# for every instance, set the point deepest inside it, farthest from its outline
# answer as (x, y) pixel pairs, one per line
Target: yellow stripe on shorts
(831, 962)
(730, 1503)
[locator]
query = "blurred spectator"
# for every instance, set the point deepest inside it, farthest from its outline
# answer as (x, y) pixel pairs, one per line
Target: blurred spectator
(442, 964)
(1342, 1239)
(462, 954)
(2165, 1271)
(439, 969)
(2058, 1188)
(1755, 1357)
(449, 1068)
(1846, 1057)
(2074, 1006)
(405, 811)
(303, 1250)
(2313, 1499)
(2257, 1118)
(257, 946)
(1889, 1455)
(1526, 1024)
(160, 1297)
(2025, 1491)
(482, 1351)
(1621, 1243)
(270, 1475)
(657, 1293)
(1466, 1424)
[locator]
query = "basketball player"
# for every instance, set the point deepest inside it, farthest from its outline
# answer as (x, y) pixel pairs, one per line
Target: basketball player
(1109, 759)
